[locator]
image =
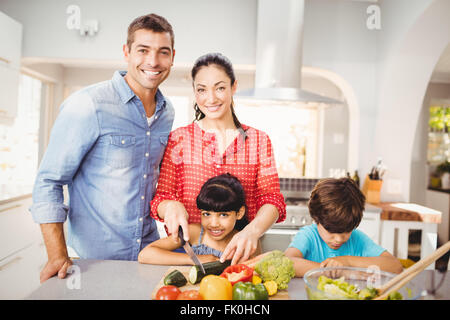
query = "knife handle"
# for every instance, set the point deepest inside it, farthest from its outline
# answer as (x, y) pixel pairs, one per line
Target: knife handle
(181, 235)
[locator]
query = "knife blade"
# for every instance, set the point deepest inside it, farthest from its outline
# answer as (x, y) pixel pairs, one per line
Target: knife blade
(187, 247)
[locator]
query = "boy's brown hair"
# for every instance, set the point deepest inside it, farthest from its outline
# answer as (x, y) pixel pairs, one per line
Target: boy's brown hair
(337, 204)
(151, 22)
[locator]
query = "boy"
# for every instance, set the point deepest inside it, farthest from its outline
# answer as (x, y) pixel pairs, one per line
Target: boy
(336, 206)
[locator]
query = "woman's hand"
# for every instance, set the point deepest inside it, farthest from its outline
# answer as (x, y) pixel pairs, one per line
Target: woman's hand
(175, 215)
(241, 247)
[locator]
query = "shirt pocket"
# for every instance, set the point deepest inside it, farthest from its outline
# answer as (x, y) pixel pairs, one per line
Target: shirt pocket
(120, 151)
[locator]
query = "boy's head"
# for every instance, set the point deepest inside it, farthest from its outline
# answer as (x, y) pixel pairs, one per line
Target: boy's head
(223, 193)
(337, 205)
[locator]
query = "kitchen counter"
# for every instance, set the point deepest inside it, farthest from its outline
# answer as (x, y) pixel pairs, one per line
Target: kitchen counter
(130, 280)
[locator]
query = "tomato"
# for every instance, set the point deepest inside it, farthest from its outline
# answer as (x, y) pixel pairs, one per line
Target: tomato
(190, 295)
(214, 287)
(167, 293)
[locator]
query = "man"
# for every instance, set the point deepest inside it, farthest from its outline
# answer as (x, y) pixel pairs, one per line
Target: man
(106, 145)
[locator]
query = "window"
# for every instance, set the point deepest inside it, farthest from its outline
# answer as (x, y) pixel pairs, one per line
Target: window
(182, 111)
(293, 130)
(19, 142)
(439, 133)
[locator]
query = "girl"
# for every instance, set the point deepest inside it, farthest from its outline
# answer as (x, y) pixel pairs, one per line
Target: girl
(221, 202)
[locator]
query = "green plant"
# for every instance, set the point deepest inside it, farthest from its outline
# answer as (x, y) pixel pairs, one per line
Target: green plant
(443, 167)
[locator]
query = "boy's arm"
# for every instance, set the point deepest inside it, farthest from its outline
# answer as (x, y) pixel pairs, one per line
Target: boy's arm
(385, 261)
(301, 265)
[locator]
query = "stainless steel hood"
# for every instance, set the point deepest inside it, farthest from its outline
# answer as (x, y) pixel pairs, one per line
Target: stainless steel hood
(279, 54)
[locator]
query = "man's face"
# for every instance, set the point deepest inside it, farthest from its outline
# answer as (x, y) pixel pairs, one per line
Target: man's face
(149, 59)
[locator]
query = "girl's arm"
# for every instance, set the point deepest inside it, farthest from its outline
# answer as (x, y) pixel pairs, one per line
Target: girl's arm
(385, 261)
(161, 251)
(301, 265)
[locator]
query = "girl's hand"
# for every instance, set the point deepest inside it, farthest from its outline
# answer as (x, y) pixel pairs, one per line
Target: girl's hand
(175, 216)
(241, 247)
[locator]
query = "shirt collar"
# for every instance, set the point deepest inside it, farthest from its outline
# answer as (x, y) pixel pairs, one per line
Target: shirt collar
(126, 94)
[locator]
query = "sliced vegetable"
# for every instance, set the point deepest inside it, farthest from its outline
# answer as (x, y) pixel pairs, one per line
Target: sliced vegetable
(214, 287)
(271, 286)
(249, 291)
(167, 293)
(190, 295)
(213, 267)
(238, 272)
(256, 279)
(175, 278)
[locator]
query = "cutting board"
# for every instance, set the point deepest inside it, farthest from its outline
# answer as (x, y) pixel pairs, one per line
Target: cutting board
(281, 295)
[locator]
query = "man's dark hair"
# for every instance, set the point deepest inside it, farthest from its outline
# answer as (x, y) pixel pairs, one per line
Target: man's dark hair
(151, 22)
(337, 204)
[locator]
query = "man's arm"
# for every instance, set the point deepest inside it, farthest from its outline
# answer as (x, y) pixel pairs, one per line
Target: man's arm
(58, 259)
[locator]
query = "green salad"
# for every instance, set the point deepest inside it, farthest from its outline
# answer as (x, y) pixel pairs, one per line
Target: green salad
(339, 288)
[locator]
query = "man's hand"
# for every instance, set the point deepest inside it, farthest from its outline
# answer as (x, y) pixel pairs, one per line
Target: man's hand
(56, 266)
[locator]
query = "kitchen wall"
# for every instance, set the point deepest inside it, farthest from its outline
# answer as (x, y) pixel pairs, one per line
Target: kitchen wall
(335, 38)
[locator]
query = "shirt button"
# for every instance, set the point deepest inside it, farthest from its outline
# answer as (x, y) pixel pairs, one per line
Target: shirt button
(145, 176)
(218, 166)
(140, 219)
(142, 197)
(156, 117)
(138, 240)
(146, 154)
(123, 141)
(148, 133)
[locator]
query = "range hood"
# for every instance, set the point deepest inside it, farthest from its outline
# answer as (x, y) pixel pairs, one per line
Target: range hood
(279, 54)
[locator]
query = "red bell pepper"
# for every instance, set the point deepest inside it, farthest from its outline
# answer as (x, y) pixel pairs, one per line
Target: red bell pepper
(238, 272)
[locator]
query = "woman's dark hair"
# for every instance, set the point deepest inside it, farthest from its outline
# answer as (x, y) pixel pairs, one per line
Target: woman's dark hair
(221, 194)
(337, 204)
(220, 61)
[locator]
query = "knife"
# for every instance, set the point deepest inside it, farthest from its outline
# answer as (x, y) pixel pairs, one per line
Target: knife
(187, 247)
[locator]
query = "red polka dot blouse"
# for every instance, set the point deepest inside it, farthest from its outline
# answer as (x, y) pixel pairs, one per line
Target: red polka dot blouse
(192, 157)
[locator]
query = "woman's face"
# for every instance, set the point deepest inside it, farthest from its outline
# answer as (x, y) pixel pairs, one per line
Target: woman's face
(214, 92)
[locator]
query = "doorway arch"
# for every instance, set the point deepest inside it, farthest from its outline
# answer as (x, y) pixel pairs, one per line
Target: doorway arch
(402, 86)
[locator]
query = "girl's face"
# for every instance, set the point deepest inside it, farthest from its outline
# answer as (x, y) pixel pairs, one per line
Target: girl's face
(219, 225)
(214, 92)
(333, 240)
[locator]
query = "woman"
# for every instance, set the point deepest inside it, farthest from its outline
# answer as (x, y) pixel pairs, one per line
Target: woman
(216, 143)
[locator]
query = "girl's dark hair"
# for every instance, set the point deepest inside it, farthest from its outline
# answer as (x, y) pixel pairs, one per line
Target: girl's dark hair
(220, 61)
(337, 204)
(221, 194)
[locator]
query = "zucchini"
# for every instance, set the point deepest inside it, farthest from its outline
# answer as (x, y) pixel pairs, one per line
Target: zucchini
(175, 278)
(213, 267)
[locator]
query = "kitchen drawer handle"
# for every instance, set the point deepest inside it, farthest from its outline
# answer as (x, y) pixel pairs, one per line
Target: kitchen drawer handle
(9, 263)
(9, 208)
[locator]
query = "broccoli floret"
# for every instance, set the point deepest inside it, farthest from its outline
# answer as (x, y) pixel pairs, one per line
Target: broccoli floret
(276, 266)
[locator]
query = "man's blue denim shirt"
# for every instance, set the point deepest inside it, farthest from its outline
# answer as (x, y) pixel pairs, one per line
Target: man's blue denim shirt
(102, 147)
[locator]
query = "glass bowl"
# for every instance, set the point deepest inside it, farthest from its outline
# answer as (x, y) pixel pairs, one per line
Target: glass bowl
(359, 277)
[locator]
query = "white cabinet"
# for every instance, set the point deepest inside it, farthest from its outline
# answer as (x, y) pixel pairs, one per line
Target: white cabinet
(10, 54)
(22, 250)
(371, 225)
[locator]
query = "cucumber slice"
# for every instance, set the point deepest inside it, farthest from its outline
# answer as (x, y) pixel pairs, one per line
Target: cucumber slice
(175, 278)
(213, 267)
